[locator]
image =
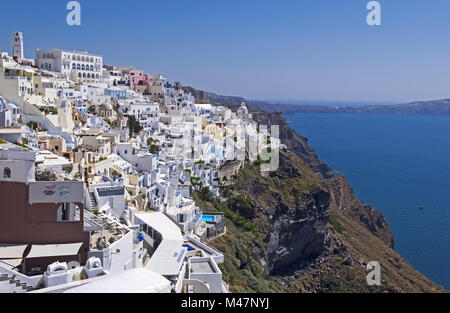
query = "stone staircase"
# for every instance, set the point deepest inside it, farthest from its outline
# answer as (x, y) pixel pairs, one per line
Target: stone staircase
(12, 285)
(93, 200)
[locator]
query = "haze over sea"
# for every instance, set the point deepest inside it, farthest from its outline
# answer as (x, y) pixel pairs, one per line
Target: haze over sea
(395, 163)
(330, 103)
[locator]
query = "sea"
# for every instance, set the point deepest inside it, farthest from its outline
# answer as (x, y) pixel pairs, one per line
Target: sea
(398, 164)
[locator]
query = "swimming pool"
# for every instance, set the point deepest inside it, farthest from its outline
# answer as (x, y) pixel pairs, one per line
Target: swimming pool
(189, 247)
(209, 218)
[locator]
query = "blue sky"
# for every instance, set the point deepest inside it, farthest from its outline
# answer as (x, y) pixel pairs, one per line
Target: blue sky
(258, 49)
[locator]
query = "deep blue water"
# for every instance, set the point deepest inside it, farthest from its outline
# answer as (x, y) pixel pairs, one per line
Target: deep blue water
(396, 164)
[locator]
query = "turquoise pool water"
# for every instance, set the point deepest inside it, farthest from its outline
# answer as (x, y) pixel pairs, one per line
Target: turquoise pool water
(209, 218)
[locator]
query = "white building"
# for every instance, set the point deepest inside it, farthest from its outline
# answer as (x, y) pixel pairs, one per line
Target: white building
(148, 114)
(77, 66)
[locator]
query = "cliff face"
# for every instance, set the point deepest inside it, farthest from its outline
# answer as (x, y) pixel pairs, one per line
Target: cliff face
(209, 97)
(344, 199)
(290, 210)
(300, 229)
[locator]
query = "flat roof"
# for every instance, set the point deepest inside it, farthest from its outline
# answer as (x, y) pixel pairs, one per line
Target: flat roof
(131, 281)
(168, 257)
(68, 51)
(204, 267)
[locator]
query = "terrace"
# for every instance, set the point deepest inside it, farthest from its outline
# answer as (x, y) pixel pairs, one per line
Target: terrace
(109, 230)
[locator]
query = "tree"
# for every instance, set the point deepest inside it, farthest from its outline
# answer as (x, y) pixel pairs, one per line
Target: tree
(205, 194)
(151, 141)
(177, 85)
(133, 125)
(153, 149)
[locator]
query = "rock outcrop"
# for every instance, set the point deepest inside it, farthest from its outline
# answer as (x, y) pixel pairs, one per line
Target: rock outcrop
(298, 234)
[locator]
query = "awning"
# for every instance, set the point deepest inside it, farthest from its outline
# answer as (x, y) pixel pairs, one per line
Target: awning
(12, 251)
(45, 251)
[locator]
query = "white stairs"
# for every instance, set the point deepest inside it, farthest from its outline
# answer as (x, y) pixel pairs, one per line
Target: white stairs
(12, 285)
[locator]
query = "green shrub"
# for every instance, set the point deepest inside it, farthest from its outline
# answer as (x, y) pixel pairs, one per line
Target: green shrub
(330, 283)
(336, 225)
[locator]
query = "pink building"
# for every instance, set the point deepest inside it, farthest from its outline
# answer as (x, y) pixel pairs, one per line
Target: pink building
(136, 76)
(139, 80)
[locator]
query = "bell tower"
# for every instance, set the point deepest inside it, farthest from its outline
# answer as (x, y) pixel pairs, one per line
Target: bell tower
(17, 47)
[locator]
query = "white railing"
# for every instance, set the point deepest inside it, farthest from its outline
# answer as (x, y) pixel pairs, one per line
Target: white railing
(30, 281)
(216, 255)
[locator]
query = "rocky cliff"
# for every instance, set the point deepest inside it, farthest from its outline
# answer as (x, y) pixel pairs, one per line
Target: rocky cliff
(212, 98)
(301, 229)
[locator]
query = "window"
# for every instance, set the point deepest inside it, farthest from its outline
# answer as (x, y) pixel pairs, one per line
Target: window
(64, 212)
(74, 66)
(68, 212)
(7, 172)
